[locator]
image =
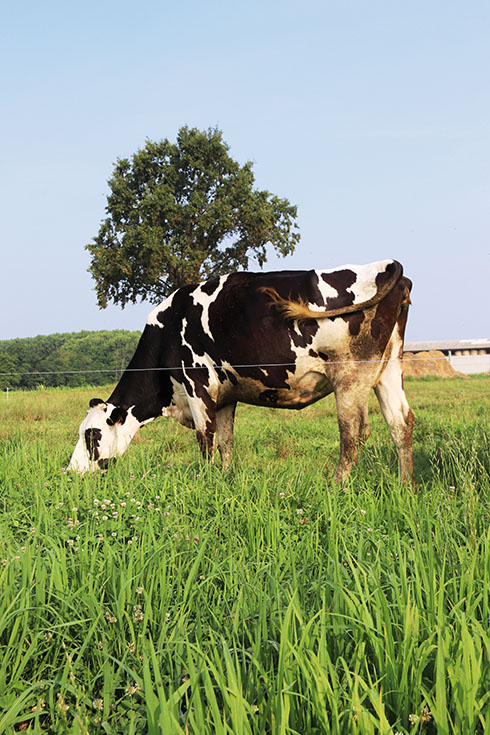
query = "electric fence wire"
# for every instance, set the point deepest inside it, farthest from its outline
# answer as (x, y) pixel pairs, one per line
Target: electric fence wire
(205, 366)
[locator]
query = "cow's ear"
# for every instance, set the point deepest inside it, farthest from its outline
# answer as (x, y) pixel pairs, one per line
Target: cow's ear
(118, 416)
(95, 402)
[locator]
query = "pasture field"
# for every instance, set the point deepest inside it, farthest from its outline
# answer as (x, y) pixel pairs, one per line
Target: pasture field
(168, 597)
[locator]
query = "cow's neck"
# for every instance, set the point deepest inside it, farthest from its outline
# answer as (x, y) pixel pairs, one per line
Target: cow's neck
(143, 387)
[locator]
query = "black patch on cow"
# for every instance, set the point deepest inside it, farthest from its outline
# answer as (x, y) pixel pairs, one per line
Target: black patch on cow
(95, 402)
(269, 396)
(247, 331)
(405, 283)
(210, 286)
(307, 331)
(143, 385)
(315, 296)
(224, 375)
(386, 314)
(293, 285)
(200, 375)
(118, 415)
(341, 281)
(354, 321)
(232, 377)
(312, 353)
(92, 440)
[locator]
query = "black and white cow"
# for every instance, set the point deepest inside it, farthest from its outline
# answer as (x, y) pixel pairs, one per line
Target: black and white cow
(283, 339)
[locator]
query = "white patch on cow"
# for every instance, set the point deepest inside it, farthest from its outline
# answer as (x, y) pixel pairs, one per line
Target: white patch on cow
(307, 378)
(332, 334)
(179, 408)
(205, 300)
(80, 461)
(389, 389)
(152, 318)
(126, 431)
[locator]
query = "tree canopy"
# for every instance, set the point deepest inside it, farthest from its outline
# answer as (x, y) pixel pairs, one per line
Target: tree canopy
(73, 358)
(8, 372)
(180, 213)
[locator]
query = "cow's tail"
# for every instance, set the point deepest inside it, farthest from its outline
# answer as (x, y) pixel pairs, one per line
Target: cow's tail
(300, 311)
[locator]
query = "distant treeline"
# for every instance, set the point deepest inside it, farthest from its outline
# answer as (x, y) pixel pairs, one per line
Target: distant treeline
(64, 358)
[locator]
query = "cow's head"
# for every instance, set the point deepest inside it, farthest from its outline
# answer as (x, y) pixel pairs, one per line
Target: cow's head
(104, 434)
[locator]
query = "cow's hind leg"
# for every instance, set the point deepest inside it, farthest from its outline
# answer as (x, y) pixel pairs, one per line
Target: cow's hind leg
(225, 418)
(352, 413)
(397, 414)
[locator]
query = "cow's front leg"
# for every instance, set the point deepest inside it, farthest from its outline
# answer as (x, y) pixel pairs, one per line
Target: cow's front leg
(225, 418)
(203, 409)
(352, 413)
(205, 439)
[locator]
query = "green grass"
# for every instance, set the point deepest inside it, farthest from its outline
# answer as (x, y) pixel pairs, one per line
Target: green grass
(168, 597)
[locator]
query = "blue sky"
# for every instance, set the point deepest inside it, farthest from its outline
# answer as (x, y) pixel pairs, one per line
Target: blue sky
(373, 117)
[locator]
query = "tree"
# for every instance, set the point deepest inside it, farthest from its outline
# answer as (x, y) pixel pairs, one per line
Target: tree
(181, 213)
(9, 376)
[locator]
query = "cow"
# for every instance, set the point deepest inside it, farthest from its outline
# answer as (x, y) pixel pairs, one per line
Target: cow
(280, 339)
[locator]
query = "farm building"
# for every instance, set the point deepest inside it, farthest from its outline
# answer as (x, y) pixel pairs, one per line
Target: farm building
(465, 355)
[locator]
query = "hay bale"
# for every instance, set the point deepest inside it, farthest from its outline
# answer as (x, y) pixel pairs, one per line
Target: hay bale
(432, 362)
